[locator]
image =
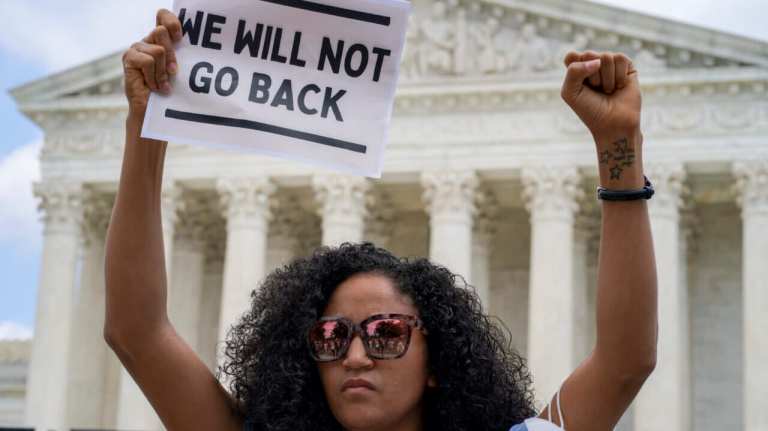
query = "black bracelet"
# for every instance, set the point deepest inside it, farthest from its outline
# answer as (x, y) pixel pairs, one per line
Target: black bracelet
(626, 195)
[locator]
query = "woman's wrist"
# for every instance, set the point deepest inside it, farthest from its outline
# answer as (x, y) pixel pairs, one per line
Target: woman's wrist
(136, 114)
(142, 158)
(619, 160)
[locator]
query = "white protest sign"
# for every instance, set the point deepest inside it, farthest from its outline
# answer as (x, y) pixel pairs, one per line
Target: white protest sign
(306, 80)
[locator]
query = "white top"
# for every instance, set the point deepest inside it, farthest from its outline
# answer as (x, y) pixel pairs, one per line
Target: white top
(538, 424)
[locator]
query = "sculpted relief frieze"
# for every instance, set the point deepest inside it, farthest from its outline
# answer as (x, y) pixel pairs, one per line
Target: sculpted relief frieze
(472, 38)
(702, 119)
(82, 133)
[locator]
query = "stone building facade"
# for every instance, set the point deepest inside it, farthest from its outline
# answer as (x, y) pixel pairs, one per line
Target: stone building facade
(487, 172)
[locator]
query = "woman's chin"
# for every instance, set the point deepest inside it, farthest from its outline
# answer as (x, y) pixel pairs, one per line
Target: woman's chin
(360, 416)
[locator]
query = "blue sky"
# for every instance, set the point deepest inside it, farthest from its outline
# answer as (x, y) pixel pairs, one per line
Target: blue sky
(65, 34)
(18, 257)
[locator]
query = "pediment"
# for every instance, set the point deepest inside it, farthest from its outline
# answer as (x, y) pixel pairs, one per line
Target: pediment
(494, 40)
(526, 40)
(102, 77)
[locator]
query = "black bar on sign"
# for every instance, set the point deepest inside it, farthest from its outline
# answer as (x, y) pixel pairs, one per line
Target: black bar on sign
(263, 127)
(334, 10)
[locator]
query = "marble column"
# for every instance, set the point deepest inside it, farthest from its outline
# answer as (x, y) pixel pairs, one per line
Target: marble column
(186, 287)
(482, 240)
(668, 388)
(61, 205)
(752, 184)
(343, 201)
(246, 204)
(170, 204)
(449, 197)
(586, 232)
(89, 354)
(133, 410)
(551, 194)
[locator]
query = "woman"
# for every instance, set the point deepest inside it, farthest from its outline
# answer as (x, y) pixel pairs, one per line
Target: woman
(353, 338)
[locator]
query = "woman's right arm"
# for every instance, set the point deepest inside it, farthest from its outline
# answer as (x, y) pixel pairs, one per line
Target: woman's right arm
(182, 390)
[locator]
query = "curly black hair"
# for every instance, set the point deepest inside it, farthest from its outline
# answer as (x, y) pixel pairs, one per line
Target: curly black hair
(483, 383)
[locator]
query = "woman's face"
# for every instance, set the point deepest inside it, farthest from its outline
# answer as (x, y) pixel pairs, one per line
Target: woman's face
(395, 401)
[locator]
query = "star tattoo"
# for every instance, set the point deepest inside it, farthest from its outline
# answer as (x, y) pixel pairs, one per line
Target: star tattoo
(622, 146)
(605, 157)
(616, 172)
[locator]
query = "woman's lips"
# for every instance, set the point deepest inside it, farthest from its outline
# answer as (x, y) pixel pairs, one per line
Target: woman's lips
(359, 385)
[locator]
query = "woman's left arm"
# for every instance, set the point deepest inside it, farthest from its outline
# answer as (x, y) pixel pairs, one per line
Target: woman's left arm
(604, 92)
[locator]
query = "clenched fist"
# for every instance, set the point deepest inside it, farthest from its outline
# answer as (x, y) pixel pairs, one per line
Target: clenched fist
(603, 90)
(147, 65)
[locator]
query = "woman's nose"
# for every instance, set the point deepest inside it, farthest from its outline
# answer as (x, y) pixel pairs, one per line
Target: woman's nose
(356, 356)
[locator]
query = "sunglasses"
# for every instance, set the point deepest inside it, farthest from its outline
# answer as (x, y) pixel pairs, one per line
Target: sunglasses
(384, 336)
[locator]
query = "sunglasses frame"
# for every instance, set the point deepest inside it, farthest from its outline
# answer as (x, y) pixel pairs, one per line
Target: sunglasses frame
(357, 329)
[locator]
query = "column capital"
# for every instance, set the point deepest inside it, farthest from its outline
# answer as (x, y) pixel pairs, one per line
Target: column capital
(669, 182)
(450, 193)
(246, 201)
(61, 204)
(752, 187)
(341, 195)
(97, 211)
(551, 192)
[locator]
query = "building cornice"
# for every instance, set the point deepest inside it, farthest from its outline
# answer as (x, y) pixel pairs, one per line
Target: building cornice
(646, 27)
(451, 95)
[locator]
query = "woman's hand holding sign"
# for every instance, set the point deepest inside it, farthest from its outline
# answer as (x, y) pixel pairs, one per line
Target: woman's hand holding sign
(149, 63)
(137, 326)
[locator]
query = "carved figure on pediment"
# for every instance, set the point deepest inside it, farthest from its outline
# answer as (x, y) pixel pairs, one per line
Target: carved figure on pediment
(483, 36)
(646, 60)
(461, 53)
(529, 51)
(579, 43)
(436, 50)
(536, 51)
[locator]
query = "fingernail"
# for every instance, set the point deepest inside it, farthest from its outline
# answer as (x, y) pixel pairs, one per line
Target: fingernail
(166, 87)
(592, 65)
(172, 68)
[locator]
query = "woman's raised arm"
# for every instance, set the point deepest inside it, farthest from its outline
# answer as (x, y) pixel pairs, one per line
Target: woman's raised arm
(177, 383)
(603, 90)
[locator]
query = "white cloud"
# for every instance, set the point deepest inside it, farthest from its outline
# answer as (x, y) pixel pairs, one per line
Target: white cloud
(14, 331)
(19, 222)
